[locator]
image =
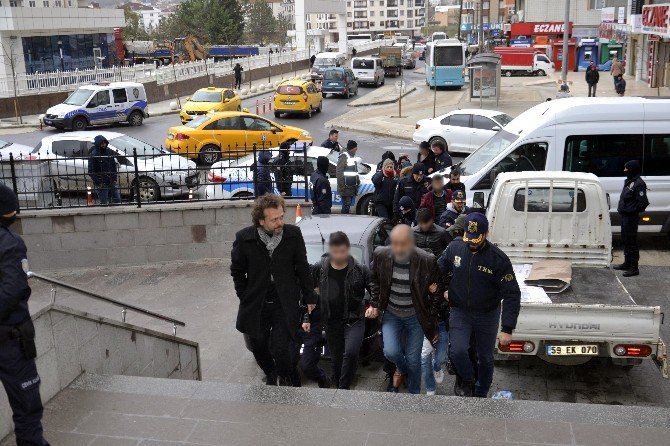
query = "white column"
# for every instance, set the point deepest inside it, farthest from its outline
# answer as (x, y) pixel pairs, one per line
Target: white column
(300, 31)
(342, 31)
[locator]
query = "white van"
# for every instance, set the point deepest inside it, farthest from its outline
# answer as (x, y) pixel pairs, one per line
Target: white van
(329, 59)
(101, 103)
(368, 70)
(594, 135)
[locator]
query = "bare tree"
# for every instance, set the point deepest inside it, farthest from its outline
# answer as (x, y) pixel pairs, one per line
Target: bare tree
(10, 58)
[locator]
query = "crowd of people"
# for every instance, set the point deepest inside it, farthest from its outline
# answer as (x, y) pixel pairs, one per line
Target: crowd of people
(592, 77)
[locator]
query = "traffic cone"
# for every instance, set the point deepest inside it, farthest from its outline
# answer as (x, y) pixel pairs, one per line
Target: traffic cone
(270, 105)
(256, 106)
(89, 196)
(298, 213)
(263, 105)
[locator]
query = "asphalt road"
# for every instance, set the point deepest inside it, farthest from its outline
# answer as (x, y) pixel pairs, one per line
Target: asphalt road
(154, 130)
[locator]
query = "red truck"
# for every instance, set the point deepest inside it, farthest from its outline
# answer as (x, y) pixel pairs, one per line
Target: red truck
(515, 60)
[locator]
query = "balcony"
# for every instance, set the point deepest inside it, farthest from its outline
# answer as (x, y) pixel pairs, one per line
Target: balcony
(393, 13)
(361, 25)
(360, 14)
(392, 24)
(361, 4)
(392, 3)
(419, 3)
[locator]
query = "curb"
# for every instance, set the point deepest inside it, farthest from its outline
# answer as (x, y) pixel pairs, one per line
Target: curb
(366, 131)
(411, 89)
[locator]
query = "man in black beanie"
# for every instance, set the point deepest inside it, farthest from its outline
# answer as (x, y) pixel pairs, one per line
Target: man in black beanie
(632, 202)
(18, 372)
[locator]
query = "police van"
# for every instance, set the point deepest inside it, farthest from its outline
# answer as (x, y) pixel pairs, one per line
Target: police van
(234, 179)
(592, 135)
(100, 103)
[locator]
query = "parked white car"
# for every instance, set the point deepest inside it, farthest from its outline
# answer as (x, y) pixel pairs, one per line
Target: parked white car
(161, 173)
(15, 149)
(234, 179)
(463, 131)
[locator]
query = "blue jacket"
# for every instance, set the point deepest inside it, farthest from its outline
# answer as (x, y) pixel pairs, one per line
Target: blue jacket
(322, 198)
(102, 165)
(450, 215)
(263, 175)
(479, 281)
(14, 289)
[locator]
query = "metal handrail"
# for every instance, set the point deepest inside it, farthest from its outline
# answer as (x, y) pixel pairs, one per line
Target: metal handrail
(125, 307)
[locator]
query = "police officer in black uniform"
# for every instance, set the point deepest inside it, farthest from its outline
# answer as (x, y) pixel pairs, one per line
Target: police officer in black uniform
(18, 372)
(632, 201)
(478, 276)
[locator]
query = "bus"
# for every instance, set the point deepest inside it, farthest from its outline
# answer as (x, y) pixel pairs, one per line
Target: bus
(445, 63)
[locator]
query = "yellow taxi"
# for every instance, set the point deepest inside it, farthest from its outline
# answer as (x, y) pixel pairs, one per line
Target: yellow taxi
(297, 96)
(209, 137)
(210, 99)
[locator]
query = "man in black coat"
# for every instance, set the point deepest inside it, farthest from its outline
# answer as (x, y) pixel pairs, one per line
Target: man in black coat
(103, 170)
(18, 372)
(442, 157)
(592, 78)
(331, 143)
(411, 186)
(632, 202)
(272, 280)
(322, 195)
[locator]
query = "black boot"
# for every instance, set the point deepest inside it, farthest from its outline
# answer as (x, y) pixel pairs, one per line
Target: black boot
(463, 388)
(324, 382)
(271, 380)
(621, 266)
(633, 270)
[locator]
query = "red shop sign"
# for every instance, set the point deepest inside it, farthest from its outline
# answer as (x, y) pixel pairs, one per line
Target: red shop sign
(539, 28)
(655, 19)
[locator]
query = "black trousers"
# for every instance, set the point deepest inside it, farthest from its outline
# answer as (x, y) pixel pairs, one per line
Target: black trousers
(344, 343)
(592, 90)
(631, 250)
(272, 350)
(22, 384)
(238, 82)
(383, 210)
(311, 353)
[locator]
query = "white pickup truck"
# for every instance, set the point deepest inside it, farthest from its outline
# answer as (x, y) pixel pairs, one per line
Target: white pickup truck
(563, 215)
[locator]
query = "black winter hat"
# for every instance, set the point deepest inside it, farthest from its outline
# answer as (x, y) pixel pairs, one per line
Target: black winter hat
(8, 200)
(351, 144)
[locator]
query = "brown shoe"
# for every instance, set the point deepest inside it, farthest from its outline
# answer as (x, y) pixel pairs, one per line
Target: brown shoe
(398, 379)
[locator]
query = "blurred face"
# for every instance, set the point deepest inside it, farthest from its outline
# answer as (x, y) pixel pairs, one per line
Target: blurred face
(402, 243)
(455, 178)
(476, 246)
(334, 137)
(339, 255)
(438, 185)
(425, 227)
(10, 215)
(103, 145)
(273, 221)
(459, 205)
(353, 151)
(418, 177)
(436, 150)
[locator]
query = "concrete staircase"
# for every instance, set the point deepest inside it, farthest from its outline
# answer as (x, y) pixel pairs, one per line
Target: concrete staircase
(125, 410)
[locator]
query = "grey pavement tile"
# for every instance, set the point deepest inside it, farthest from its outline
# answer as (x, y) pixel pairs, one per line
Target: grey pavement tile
(114, 441)
(136, 385)
(67, 439)
(541, 432)
(380, 439)
(355, 420)
(595, 435)
(231, 411)
(127, 403)
(136, 426)
(210, 390)
(561, 395)
(471, 428)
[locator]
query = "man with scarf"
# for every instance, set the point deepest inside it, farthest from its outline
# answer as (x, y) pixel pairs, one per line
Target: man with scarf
(385, 183)
(632, 201)
(18, 372)
(273, 282)
(479, 276)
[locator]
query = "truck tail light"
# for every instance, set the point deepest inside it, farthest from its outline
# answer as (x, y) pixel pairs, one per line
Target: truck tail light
(632, 350)
(517, 347)
(181, 137)
(214, 178)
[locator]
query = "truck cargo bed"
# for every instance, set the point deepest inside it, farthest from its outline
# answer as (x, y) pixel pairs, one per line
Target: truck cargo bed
(592, 286)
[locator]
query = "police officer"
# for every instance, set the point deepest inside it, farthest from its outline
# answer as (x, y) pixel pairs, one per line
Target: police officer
(479, 276)
(322, 198)
(632, 201)
(17, 334)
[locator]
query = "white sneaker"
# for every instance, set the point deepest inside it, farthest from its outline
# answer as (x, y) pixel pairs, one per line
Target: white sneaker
(439, 376)
(430, 392)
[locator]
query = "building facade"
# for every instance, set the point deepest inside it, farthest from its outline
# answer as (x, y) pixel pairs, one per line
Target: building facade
(54, 35)
(493, 18)
(648, 57)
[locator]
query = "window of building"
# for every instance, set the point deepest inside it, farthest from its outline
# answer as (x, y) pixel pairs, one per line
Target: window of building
(656, 155)
(45, 3)
(402, 2)
(410, 3)
(410, 23)
(348, 14)
(381, 2)
(58, 4)
(13, 3)
(372, 13)
(486, 5)
(539, 198)
(31, 3)
(402, 12)
(602, 155)
(381, 23)
(402, 23)
(372, 2)
(381, 14)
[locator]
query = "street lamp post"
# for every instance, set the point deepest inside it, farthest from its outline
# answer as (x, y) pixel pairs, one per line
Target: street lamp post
(60, 51)
(566, 34)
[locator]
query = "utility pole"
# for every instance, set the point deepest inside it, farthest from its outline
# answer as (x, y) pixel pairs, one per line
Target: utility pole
(480, 35)
(566, 35)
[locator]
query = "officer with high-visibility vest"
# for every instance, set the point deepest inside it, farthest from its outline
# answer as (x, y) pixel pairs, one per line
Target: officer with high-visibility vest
(347, 176)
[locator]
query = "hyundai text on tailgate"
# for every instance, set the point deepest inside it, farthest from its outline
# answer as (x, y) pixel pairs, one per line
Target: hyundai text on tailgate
(540, 216)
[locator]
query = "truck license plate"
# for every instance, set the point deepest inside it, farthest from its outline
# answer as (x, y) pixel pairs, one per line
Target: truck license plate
(572, 350)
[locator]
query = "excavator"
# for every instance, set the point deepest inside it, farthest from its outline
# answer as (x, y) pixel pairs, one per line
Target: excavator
(189, 49)
(163, 52)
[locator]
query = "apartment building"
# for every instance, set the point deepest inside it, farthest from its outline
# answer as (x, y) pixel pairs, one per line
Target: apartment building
(493, 14)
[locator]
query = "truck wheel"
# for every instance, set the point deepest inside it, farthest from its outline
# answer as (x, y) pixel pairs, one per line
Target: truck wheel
(135, 119)
(209, 154)
(540, 73)
(79, 123)
(508, 73)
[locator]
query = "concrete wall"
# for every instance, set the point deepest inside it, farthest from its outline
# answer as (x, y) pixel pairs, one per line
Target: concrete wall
(126, 235)
(71, 342)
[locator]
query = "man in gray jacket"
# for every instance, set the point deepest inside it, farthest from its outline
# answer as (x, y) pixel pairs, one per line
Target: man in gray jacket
(347, 176)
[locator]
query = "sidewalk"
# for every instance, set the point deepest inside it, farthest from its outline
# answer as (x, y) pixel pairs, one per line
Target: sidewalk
(158, 108)
(517, 95)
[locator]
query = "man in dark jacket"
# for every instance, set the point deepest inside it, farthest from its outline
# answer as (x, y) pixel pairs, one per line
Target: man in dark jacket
(454, 209)
(442, 157)
(283, 170)
(632, 202)
(385, 183)
(429, 236)
(405, 286)
(478, 275)
(263, 174)
(454, 182)
(103, 170)
(322, 196)
(592, 78)
(18, 372)
(411, 186)
(407, 214)
(272, 280)
(341, 283)
(347, 176)
(426, 157)
(237, 69)
(331, 143)
(437, 199)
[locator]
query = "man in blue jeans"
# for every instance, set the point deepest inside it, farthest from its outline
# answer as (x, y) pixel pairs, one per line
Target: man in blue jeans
(479, 276)
(405, 286)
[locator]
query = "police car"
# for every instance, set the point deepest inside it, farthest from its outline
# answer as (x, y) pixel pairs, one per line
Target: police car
(234, 179)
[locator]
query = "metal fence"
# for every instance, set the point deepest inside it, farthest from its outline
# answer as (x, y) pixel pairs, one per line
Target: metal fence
(137, 176)
(49, 82)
